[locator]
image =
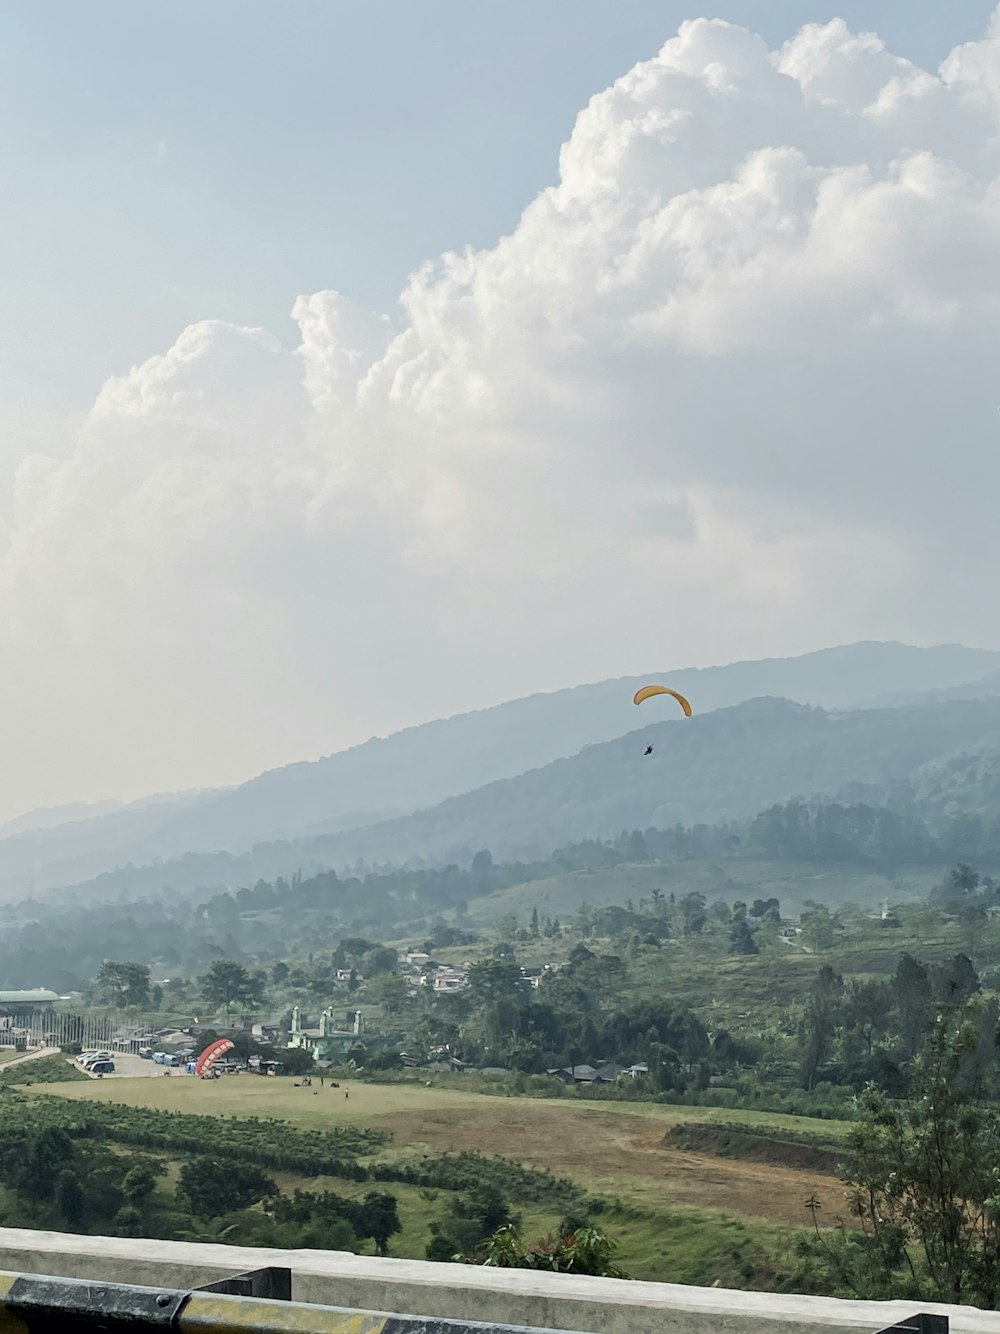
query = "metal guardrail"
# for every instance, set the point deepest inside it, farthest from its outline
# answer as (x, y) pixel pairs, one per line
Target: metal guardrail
(254, 1303)
(924, 1323)
(258, 1302)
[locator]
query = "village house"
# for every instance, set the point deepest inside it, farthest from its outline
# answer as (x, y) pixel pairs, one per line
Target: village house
(449, 979)
(589, 1074)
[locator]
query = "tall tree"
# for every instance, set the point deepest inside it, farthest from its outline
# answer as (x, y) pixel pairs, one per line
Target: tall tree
(495, 979)
(868, 1009)
(817, 929)
(912, 993)
(923, 1185)
(378, 1218)
(229, 985)
(693, 913)
(741, 938)
(122, 984)
(819, 1023)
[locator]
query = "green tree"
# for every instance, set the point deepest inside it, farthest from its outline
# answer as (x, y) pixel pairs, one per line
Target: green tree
(294, 1060)
(212, 1187)
(868, 1010)
(493, 980)
(38, 1160)
(390, 991)
(693, 914)
(741, 938)
(351, 950)
(817, 929)
(70, 1200)
(923, 1185)
(378, 1218)
(819, 1023)
(964, 879)
(506, 927)
(122, 984)
(379, 959)
(911, 991)
(482, 870)
(472, 1217)
(140, 1183)
(229, 985)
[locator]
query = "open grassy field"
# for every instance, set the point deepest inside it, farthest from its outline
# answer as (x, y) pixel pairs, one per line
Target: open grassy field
(614, 1150)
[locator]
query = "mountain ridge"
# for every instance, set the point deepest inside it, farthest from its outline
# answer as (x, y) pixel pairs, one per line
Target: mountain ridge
(725, 765)
(429, 763)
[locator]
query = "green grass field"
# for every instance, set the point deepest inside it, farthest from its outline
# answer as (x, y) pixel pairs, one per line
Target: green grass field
(679, 1216)
(370, 1103)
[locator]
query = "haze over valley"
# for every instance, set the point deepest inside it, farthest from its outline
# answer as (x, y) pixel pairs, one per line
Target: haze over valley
(500, 657)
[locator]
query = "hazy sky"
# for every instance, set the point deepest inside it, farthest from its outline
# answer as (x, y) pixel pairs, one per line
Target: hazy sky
(366, 362)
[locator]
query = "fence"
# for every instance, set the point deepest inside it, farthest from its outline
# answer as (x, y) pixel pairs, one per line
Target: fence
(47, 1028)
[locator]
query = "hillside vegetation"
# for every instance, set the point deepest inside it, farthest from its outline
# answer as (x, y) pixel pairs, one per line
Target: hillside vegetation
(425, 765)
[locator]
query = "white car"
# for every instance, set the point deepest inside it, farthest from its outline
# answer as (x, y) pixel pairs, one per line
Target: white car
(86, 1056)
(94, 1057)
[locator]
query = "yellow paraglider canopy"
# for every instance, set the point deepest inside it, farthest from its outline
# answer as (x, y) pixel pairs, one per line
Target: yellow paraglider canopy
(647, 692)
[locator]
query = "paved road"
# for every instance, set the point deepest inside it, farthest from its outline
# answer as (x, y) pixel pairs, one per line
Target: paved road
(127, 1066)
(30, 1056)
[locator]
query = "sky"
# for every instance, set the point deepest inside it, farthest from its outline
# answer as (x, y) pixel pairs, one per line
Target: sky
(367, 363)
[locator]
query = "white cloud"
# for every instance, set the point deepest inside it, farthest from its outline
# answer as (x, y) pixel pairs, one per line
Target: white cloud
(728, 388)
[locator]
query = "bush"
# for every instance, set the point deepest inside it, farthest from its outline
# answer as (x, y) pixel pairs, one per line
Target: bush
(469, 1170)
(584, 1251)
(247, 1140)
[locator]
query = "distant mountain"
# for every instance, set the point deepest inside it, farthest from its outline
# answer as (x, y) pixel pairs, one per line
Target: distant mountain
(93, 812)
(726, 764)
(424, 766)
(985, 687)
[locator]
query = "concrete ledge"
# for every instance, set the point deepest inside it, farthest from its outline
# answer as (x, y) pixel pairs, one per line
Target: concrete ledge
(468, 1292)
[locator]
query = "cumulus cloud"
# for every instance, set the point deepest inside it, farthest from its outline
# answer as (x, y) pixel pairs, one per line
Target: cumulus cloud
(727, 389)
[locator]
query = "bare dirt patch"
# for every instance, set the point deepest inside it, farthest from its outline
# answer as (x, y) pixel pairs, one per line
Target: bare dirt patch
(753, 1146)
(620, 1155)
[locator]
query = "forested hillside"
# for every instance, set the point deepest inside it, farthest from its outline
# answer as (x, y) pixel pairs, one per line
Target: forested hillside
(425, 765)
(939, 762)
(828, 852)
(724, 765)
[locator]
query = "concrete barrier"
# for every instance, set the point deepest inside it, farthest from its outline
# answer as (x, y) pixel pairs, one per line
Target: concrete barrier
(469, 1292)
(33, 1304)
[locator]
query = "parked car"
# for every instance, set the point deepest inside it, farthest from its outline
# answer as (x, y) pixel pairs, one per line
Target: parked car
(93, 1057)
(146, 1053)
(102, 1068)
